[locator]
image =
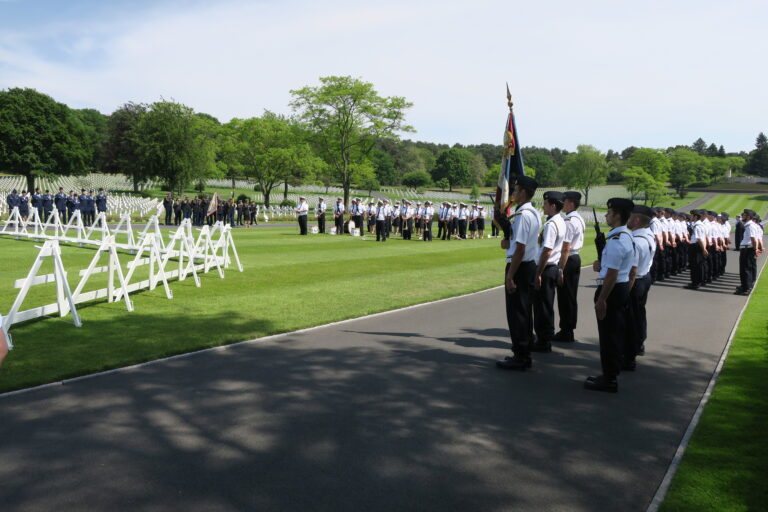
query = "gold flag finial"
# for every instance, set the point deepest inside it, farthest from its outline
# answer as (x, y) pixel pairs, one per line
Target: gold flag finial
(509, 97)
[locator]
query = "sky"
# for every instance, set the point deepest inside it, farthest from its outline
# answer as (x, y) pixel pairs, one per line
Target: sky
(608, 73)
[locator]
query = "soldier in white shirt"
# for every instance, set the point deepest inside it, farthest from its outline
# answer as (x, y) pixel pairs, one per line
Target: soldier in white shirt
(407, 217)
(658, 269)
(751, 246)
(338, 216)
(379, 216)
(453, 221)
(697, 250)
(427, 214)
(548, 272)
(612, 294)
(640, 284)
(301, 212)
(473, 221)
(570, 267)
(521, 248)
(320, 211)
(396, 221)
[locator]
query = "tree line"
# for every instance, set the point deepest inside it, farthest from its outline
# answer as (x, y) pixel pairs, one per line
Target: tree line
(340, 132)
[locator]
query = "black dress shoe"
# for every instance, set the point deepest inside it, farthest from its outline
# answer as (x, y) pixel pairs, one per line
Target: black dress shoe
(641, 350)
(541, 346)
(692, 286)
(564, 337)
(601, 383)
(514, 363)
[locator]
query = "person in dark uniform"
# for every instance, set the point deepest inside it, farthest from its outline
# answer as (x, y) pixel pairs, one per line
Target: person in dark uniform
(83, 201)
(24, 205)
(639, 285)
(570, 267)
(37, 202)
(177, 207)
(168, 206)
(101, 202)
(301, 212)
(751, 246)
(739, 233)
(47, 202)
(60, 201)
(12, 200)
(612, 294)
(91, 204)
(70, 203)
(521, 247)
(77, 206)
(320, 211)
(697, 251)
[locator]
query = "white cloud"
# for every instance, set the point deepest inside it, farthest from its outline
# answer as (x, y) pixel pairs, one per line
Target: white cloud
(651, 74)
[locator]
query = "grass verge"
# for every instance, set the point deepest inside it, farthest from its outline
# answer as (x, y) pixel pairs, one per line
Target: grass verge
(725, 466)
(734, 204)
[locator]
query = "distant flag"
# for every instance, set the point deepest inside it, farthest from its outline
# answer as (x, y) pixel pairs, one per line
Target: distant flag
(214, 204)
(511, 161)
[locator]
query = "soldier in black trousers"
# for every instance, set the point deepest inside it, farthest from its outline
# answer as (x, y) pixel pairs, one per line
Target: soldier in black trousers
(570, 267)
(61, 202)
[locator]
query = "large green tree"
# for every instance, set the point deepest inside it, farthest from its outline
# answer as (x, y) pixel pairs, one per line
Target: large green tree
(347, 117)
(120, 150)
(584, 170)
(40, 137)
(270, 149)
(454, 166)
(546, 168)
(175, 145)
(687, 166)
(653, 161)
(95, 124)
(757, 162)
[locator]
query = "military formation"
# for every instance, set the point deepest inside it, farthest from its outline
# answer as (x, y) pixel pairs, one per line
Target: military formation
(86, 202)
(410, 220)
(644, 245)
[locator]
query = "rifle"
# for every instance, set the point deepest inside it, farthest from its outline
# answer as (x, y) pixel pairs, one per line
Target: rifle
(599, 237)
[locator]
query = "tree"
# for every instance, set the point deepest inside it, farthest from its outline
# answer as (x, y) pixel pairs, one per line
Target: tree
(711, 151)
(584, 169)
(546, 169)
(40, 137)
(120, 152)
(417, 179)
(635, 179)
(653, 161)
(95, 125)
(369, 183)
(475, 192)
(442, 184)
(686, 164)
(453, 165)
(699, 146)
(384, 166)
(173, 145)
(757, 161)
(478, 169)
(271, 150)
(491, 178)
(721, 151)
(347, 117)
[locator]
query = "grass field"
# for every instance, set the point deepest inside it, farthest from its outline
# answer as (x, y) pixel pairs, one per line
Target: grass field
(734, 204)
(289, 282)
(725, 467)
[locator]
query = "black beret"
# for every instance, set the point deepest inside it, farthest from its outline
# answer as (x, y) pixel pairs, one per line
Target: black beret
(710, 212)
(669, 211)
(643, 210)
(725, 215)
(658, 209)
(751, 213)
(619, 203)
(527, 182)
(554, 196)
(572, 195)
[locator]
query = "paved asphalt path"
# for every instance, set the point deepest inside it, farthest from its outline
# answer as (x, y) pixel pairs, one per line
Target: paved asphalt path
(400, 411)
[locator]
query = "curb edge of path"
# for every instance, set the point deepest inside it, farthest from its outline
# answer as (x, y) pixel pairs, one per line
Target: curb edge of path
(666, 482)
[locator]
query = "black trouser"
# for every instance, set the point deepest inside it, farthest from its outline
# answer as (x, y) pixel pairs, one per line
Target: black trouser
(668, 260)
(339, 222)
(723, 260)
(494, 229)
(452, 227)
(40, 213)
(381, 230)
(387, 226)
(747, 267)
(462, 228)
(637, 322)
(567, 303)
(66, 215)
(321, 223)
(544, 304)
(428, 231)
(302, 224)
(168, 212)
(177, 217)
(520, 309)
(611, 329)
(407, 229)
(439, 228)
(658, 269)
(696, 264)
(712, 263)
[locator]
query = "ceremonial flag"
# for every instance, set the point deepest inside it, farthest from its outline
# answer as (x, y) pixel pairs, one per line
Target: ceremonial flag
(214, 204)
(511, 161)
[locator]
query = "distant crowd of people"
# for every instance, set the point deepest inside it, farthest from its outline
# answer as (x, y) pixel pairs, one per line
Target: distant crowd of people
(86, 202)
(200, 211)
(457, 221)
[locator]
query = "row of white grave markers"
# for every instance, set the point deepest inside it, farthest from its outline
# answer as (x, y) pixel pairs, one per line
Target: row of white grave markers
(149, 250)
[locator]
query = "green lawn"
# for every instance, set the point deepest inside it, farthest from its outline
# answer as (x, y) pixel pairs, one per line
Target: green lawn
(289, 282)
(725, 467)
(734, 204)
